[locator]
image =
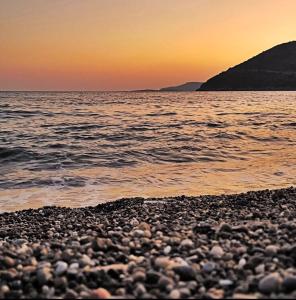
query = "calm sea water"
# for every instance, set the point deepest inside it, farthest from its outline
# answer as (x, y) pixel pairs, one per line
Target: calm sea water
(77, 149)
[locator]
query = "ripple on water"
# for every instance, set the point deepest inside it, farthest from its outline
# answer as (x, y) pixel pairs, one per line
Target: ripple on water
(106, 146)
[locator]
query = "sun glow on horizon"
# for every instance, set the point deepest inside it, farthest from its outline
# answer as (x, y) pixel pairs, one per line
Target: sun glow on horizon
(132, 44)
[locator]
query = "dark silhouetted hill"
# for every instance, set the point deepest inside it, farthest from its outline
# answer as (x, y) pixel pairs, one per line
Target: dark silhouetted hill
(272, 70)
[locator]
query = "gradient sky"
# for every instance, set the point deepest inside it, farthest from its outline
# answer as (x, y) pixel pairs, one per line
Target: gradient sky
(133, 44)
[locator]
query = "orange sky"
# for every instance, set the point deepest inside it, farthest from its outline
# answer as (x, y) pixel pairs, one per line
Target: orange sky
(133, 44)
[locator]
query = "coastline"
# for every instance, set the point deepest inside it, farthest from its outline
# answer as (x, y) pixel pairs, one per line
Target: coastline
(237, 246)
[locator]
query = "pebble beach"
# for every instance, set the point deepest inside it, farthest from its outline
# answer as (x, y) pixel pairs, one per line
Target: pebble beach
(210, 247)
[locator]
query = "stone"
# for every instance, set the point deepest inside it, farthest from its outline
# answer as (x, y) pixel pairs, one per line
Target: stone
(44, 275)
(242, 262)
(225, 282)
(175, 294)
(209, 267)
(134, 222)
(187, 243)
(9, 262)
(61, 268)
(186, 273)
(101, 294)
(144, 226)
(270, 283)
(217, 252)
(139, 276)
(100, 244)
(271, 250)
(260, 269)
(4, 289)
(167, 250)
(138, 233)
(244, 296)
(289, 283)
(162, 262)
(225, 228)
(85, 260)
(140, 290)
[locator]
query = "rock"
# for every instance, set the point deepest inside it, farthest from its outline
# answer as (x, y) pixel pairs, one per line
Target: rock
(85, 261)
(138, 233)
(152, 277)
(209, 267)
(225, 282)
(9, 262)
(100, 244)
(203, 228)
(260, 269)
(187, 243)
(271, 250)
(217, 252)
(61, 268)
(134, 222)
(44, 275)
(225, 228)
(289, 283)
(186, 273)
(71, 294)
(140, 290)
(270, 284)
(139, 276)
(244, 296)
(162, 262)
(4, 289)
(167, 250)
(242, 262)
(175, 294)
(215, 293)
(101, 294)
(144, 226)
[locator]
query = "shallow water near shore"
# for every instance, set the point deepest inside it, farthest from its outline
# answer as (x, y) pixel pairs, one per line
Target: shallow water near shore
(78, 149)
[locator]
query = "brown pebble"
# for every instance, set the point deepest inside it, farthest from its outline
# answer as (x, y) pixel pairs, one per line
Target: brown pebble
(101, 293)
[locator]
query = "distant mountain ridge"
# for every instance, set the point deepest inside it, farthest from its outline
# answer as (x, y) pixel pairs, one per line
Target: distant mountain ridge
(186, 87)
(272, 70)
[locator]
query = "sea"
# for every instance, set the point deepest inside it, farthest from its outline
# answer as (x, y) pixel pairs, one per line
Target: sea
(77, 149)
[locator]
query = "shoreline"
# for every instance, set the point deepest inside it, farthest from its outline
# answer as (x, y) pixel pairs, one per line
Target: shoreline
(236, 246)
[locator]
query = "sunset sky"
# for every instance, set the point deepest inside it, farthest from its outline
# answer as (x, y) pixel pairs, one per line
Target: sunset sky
(133, 44)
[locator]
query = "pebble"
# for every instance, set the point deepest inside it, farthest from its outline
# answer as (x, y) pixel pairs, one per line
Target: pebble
(138, 233)
(242, 263)
(44, 275)
(217, 252)
(9, 262)
(270, 283)
(187, 243)
(260, 269)
(175, 294)
(271, 250)
(225, 228)
(101, 294)
(209, 267)
(61, 268)
(289, 283)
(186, 273)
(163, 262)
(167, 250)
(108, 251)
(85, 261)
(225, 282)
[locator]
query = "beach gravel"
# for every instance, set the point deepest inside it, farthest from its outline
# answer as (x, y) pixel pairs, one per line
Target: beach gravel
(210, 247)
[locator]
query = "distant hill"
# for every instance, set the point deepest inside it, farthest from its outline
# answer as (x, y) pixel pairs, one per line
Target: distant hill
(186, 87)
(272, 70)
